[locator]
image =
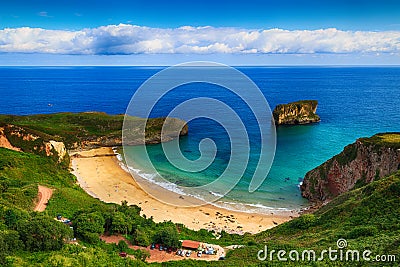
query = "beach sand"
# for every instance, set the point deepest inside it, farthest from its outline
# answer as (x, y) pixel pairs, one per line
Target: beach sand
(100, 175)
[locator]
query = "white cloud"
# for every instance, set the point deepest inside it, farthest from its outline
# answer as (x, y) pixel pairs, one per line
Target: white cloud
(131, 39)
(44, 14)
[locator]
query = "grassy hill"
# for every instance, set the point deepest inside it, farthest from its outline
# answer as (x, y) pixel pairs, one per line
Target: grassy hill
(86, 129)
(68, 127)
(366, 217)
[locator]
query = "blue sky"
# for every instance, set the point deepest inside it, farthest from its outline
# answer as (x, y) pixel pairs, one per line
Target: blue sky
(286, 14)
(249, 40)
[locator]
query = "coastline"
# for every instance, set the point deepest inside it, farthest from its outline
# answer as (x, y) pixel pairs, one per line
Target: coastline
(100, 174)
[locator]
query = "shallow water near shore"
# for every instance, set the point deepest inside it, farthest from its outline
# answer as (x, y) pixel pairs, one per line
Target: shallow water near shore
(353, 102)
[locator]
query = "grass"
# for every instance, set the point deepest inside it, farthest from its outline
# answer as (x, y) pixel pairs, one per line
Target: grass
(30, 168)
(391, 138)
(81, 124)
(383, 140)
(75, 128)
(367, 217)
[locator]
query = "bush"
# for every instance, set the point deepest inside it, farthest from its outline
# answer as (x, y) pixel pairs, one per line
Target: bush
(88, 226)
(141, 254)
(304, 221)
(120, 224)
(122, 246)
(362, 231)
(42, 233)
(168, 236)
(9, 242)
(141, 237)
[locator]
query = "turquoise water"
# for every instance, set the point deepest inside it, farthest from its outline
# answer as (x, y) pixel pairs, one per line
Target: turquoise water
(353, 102)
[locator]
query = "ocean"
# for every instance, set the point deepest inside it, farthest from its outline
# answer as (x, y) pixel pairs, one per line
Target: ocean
(353, 102)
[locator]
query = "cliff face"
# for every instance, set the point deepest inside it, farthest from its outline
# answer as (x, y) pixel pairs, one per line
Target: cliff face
(358, 164)
(300, 112)
(4, 142)
(21, 139)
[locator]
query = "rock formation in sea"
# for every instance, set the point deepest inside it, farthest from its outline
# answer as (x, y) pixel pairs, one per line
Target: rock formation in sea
(299, 112)
(358, 164)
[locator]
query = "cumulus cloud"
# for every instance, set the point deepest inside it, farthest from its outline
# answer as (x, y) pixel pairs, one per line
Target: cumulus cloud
(130, 39)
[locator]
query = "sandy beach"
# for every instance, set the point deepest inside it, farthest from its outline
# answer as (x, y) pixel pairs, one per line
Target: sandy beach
(100, 175)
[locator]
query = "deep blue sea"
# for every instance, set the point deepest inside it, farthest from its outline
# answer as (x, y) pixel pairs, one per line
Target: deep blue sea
(353, 102)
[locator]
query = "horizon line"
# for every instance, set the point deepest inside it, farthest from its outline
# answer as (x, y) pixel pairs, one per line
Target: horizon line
(233, 65)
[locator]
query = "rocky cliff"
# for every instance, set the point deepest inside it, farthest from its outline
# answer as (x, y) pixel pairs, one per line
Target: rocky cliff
(21, 139)
(358, 164)
(299, 112)
(157, 130)
(52, 134)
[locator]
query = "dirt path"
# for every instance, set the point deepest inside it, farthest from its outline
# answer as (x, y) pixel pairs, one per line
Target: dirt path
(44, 195)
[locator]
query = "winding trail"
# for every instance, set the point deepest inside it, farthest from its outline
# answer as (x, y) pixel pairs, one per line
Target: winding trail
(44, 195)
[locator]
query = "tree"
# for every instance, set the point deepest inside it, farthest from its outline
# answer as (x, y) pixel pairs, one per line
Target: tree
(43, 233)
(120, 224)
(12, 216)
(141, 237)
(168, 236)
(9, 242)
(88, 226)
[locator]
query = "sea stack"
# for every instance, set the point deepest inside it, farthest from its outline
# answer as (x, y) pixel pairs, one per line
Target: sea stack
(299, 112)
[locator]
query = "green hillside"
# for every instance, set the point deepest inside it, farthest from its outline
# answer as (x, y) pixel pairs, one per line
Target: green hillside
(68, 127)
(79, 129)
(367, 218)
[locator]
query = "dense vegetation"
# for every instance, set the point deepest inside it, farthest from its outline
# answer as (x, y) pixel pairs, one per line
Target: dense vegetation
(31, 238)
(367, 217)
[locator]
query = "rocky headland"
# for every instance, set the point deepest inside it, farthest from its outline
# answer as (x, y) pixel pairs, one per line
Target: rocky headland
(52, 135)
(360, 163)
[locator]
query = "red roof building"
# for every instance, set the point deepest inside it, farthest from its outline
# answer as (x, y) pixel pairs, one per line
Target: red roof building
(189, 244)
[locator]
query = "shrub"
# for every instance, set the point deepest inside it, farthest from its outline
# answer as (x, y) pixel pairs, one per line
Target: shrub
(361, 231)
(89, 226)
(304, 221)
(120, 224)
(141, 237)
(141, 254)
(42, 233)
(122, 246)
